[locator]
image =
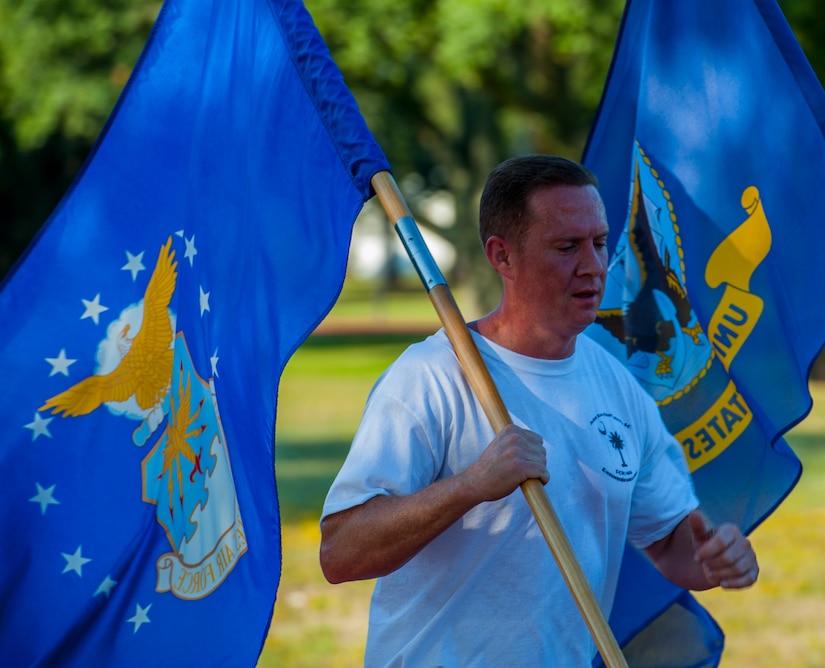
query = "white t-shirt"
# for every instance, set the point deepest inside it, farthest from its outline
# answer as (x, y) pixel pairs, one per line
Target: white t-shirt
(487, 592)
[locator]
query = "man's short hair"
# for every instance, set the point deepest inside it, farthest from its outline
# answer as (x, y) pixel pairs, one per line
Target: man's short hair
(505, 199)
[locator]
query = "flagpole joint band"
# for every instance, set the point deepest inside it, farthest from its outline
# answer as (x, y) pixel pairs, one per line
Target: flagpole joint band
(422, 260)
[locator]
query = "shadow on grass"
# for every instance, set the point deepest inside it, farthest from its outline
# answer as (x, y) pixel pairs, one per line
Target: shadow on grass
(336, 338)
(304, 471)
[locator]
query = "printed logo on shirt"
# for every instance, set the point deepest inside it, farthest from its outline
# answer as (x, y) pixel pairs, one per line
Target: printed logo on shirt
(618, 460)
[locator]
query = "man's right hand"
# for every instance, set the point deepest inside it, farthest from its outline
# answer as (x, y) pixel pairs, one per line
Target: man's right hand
(512, 457)
(382, 534)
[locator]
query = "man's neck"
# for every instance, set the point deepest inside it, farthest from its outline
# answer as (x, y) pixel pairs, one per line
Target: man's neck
(523, 337)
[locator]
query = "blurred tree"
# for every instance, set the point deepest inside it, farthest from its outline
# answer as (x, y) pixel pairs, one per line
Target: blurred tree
(63, 64)
(808, 22)
(452, 87)
(449, 87)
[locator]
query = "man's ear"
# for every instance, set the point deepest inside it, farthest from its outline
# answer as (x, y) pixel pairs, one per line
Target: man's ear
(499, 255)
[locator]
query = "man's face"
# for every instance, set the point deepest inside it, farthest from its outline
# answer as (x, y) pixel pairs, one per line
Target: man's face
(561, 263)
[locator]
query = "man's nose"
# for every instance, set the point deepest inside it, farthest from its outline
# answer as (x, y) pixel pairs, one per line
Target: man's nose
(593, 260)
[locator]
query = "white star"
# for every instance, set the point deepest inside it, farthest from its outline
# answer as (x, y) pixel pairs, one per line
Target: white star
(141, 616)
(39, 427)
(191, 251)
(106, 586)
(74, 562)
(44, 497)
(93, 309)
(214, 359)
(204, 300)
(60, 364)
(135, 264)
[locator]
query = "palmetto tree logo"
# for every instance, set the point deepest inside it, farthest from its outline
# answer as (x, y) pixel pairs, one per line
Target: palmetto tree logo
(618, 445)
(619, 438)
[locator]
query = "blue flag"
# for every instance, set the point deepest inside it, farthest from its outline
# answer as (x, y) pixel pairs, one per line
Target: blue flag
(709, 149)
(143, 335)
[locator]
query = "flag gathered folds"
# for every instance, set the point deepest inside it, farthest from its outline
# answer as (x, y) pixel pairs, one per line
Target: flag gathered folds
(143, 335)
(709, 149)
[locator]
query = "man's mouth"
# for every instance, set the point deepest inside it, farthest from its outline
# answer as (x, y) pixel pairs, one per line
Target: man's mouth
(586, 294)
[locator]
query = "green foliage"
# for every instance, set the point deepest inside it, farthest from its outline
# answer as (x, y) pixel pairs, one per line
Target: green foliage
(449, 88)
(808, 22)
(452, 87)
(63, 63)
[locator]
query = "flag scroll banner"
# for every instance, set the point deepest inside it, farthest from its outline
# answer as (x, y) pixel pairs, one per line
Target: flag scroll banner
(143, 335)
(709, 149)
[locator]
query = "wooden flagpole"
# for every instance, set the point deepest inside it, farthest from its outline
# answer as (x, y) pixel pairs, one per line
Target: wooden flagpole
(482, 383)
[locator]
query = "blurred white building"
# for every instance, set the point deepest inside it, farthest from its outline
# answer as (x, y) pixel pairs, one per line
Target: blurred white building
(375, 242)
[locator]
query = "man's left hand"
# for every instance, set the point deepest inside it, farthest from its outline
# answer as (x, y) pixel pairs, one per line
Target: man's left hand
(725, 554)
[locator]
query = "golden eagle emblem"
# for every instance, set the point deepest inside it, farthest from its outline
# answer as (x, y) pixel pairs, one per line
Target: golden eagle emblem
(145, 370)
(646, 317)
(641, 325)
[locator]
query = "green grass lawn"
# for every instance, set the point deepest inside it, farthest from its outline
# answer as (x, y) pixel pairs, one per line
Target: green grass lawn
(320, 401)
(322, 395)
(779, 622)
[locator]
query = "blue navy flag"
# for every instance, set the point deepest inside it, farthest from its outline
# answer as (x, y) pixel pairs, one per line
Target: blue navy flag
(709, 148)
(143, 335)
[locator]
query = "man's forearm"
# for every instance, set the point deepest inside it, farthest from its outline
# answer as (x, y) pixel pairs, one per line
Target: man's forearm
(674, 558)
(381, 535)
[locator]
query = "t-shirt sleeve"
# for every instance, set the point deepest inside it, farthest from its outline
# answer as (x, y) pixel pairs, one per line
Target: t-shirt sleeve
(392, 453)
(664, 494)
